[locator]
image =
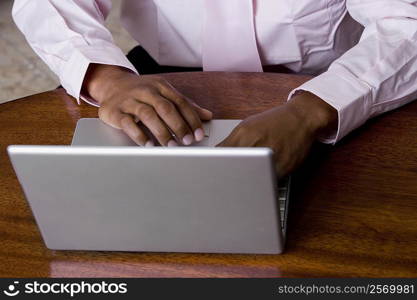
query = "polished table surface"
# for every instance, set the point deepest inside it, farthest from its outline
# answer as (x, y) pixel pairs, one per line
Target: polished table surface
(353, 209)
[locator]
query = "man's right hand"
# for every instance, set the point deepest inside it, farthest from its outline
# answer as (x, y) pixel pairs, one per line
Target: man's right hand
(126, 98)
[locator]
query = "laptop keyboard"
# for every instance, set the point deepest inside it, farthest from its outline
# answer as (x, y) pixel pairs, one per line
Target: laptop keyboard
(283, 195)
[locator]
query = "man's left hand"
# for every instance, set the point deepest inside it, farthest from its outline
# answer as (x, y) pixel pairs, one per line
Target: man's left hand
(289, 130)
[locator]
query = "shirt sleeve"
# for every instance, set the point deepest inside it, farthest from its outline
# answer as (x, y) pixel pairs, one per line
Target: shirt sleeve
(376, 75)
(68, 36)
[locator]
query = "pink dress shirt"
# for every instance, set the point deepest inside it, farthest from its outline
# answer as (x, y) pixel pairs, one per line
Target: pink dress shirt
(360, 72)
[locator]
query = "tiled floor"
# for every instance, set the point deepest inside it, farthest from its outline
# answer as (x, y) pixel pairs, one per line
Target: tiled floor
(22, 73)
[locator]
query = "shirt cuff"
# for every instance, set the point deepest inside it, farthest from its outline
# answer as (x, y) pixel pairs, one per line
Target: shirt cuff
(74, 70)
(344, 92)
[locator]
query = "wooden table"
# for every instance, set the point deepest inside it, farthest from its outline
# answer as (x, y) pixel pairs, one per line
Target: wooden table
(353, 210)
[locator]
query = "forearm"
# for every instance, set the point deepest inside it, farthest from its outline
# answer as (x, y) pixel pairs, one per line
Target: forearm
(378, 74)
(69, 36)
(318, 115)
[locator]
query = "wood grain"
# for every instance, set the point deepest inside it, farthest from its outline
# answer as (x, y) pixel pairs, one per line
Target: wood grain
(353, 209)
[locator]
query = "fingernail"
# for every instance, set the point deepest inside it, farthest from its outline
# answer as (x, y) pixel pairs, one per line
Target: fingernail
(187, 140)
(199, 134)
(149, 144)
(172, 143)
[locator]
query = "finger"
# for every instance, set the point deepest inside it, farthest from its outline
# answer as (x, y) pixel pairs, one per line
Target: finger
(129, 126)
(187, 110)
(203, 113)
(110, 115)
(169, 114)
(148, 116)
(115, 118)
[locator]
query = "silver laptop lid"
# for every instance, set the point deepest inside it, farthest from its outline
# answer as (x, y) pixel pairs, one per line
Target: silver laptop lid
(157, 199)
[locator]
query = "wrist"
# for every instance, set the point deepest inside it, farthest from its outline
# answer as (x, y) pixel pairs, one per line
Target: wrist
(97, 79)
(317, 114)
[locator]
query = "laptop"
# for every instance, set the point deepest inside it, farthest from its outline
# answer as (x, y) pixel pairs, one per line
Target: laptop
(105, 193)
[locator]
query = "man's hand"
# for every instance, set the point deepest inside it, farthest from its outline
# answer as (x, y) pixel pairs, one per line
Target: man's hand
(126, 98)
(289, 130)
